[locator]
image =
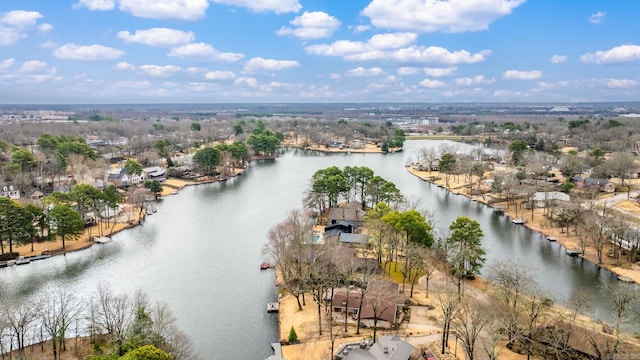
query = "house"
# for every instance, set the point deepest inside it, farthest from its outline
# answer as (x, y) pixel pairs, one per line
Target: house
(603, 184)
(119, 177)
(350, 239)
(388, 347)
(342, 226)
(10, 191)
(155, 173)
(543, 199)
(349, 212)
(382, 305)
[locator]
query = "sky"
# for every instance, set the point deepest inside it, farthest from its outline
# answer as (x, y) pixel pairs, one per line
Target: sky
(318, 51)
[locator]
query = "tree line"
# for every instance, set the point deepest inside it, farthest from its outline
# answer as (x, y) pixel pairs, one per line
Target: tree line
(117, 326)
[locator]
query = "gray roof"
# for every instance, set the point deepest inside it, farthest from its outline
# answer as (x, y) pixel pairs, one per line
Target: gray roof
(349, 238)
(396, 349)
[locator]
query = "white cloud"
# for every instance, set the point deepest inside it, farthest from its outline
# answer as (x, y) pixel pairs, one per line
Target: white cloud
(431, 54)
(442, 15)
(203, 51)
(557, 59)
(35, 66)
(361, 28)
(622, 53)
(375, 44)
(123, 65)
(407, 70)
(158, 71)
(597, 17)
(101, 5)
(161, 37)
(6, 64)
(438, 72)
(277, 6)
(476, 80)
(432, 84)
(392, 46)
(219, 75)
(20, 19)
(621, 83)
(45, 27)
(94, 52)
(16, 24)
(335, 76)
(195, 70)
(259, 64)
(189, 10)
(246, 81)
(311, 25)
(360, 71)
(522, 75)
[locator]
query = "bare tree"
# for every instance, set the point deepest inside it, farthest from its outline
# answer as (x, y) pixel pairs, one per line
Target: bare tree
(59, 310)
(450, 305)
(20, 317)
(468, 324)
(113, 314)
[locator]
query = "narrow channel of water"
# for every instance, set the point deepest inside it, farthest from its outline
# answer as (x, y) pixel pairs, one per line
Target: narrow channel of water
(201, 251)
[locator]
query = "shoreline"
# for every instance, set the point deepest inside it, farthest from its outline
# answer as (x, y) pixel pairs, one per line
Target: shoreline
(566, 240)
(171, 186)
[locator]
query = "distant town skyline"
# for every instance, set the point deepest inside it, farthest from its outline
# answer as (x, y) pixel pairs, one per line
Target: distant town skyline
(288, 51)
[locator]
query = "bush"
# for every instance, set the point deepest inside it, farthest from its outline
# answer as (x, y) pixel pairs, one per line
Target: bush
(293, 337)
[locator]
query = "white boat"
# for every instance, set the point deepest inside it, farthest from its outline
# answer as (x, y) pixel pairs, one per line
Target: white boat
(517, 221)
(102, 239)
(21, 260)
(551, 238)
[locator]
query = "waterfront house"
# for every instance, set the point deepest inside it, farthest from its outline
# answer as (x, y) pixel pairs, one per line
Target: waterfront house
(544, 199)
(388, 347)
(602, 184)
(348, 212)
(10, 191)
(155, 173)
(382, 305)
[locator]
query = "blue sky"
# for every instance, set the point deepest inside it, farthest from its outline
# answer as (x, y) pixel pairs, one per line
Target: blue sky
(181, 51)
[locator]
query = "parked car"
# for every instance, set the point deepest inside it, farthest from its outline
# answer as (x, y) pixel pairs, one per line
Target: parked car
(428, 354)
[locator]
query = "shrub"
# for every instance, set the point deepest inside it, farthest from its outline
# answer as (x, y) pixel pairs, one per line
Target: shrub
(293, 337)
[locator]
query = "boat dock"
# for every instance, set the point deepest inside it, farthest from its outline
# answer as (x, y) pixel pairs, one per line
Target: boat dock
(574, 252)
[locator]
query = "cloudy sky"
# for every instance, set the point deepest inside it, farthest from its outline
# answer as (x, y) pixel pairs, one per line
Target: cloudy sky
(163, 51)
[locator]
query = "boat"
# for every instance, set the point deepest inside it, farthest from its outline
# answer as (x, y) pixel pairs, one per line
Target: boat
(498, 210)
(40, 257)
(21, 260)
(102, 239)
(574, 252)
(551, 238)
(265, 266)
(518, 221)
(273, 307)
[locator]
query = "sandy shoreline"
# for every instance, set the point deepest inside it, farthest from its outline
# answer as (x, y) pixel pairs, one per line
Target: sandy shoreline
(538, 224)
(129, 218)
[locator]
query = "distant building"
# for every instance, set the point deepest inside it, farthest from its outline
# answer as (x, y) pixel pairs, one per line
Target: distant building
(10, 191)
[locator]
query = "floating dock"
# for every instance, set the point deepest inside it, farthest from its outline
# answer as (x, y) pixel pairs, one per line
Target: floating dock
(574, 252)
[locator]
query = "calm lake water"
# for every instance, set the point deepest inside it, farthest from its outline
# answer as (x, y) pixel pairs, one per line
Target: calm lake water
(201, 251)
